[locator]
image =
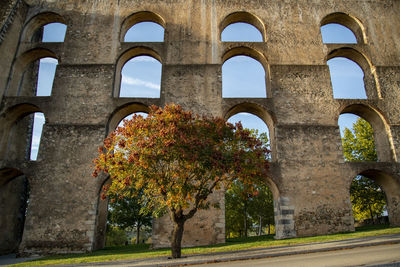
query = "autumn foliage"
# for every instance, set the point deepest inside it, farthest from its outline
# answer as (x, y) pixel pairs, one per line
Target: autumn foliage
(176, 160)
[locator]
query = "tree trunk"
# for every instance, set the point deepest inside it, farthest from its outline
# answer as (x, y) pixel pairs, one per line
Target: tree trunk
(260, 226)
(269, 229)
(176, 240)
(137, 233)
(371, 213)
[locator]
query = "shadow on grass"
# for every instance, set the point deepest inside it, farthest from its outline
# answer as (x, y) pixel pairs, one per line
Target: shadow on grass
(372, 227)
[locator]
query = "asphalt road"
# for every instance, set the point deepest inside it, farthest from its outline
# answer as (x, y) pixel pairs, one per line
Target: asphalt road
(366, 256)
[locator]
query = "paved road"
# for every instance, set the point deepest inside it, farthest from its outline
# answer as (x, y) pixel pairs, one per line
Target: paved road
(367, 256)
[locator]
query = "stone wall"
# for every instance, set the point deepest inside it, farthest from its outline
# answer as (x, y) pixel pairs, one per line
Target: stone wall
(308, 177)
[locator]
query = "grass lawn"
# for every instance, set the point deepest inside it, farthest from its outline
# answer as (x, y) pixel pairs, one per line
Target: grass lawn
(143, 251)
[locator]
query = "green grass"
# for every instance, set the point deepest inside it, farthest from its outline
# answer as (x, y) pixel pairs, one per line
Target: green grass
(143, 251)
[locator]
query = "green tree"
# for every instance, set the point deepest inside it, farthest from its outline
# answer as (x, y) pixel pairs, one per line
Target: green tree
(127, 214)
(245, 209)
(261, 208)
(236, 210)
(359, 144)
(177, 160)
(367, 198)
(115, 236)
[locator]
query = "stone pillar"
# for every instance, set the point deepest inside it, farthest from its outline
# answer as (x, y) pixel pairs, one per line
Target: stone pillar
(61, 214)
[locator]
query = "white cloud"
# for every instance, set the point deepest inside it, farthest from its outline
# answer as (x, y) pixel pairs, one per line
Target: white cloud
(134, 81)
(245, 114)
(144, 59)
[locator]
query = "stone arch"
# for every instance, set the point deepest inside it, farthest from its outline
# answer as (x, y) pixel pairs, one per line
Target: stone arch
(39, 21)
(390, 184)
(371, 83)
(14, 194)
(8, 174)
(348, 21)
(9, 120)
(141, 16)
(263, 114)
(382, 134)
(346, 78)
(246, 17)
(21, 63)
(283, 211)
(269, 180)
(123, 111)
(250, 52)
(125, 57)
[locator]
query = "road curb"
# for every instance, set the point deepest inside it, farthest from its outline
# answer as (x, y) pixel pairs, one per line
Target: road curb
(263, 256)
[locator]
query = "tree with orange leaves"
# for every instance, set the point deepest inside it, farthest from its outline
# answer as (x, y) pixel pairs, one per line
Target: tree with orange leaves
(176, 160)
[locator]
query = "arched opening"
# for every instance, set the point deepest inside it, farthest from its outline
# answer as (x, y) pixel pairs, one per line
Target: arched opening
(334, 33)
(382, 137)
(254, 116)
(141, 77)
(353, 67)
(38, 77)
(375, 197)
(357, 138)
(242, 27)
(25, 137)
(145, 32)
(32, 69)
(143, 26)
(347, 78)
(120, 222)
(241, 32)
(250, 214)
(14, 199)
(254, 123)
(45, 27)
(126, 223)
(121, 123)
(21, 132)
(243, 76)
(123, 112)
(45, 77)
(51, 33)
(345, 20)
(368, 202)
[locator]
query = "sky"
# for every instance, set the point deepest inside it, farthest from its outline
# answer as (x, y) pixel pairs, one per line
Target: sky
(141, 76)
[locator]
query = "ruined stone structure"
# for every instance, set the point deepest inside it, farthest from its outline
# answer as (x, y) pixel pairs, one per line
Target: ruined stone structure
(309, 178)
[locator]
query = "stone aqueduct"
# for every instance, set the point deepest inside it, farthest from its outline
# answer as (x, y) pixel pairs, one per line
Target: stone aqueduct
(309, 178)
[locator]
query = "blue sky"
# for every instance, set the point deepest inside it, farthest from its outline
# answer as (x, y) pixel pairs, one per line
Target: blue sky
(141, 76)
(241, 32)
(145, 32)
(236, 77)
